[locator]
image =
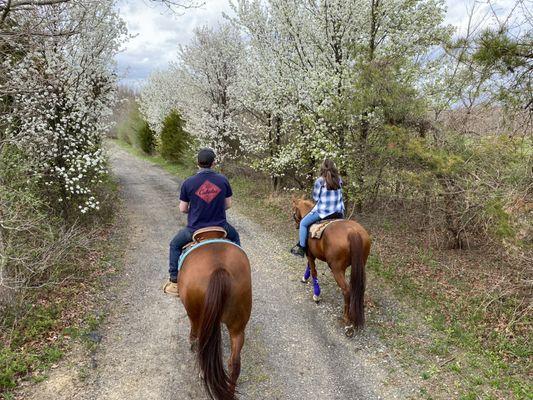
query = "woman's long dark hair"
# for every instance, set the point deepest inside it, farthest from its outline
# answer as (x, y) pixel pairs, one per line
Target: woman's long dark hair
(330, 173)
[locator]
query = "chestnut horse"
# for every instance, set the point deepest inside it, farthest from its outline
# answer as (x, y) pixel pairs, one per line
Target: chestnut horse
(215, 287)
(343, 243)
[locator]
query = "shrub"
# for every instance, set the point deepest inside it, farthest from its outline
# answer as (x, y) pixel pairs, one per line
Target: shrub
(469, 191)
(34, 241)
(39, 253)
(174, 139)
(146, 138)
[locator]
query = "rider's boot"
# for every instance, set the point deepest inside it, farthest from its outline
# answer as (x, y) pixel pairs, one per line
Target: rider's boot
(171, 287)
(298, 250)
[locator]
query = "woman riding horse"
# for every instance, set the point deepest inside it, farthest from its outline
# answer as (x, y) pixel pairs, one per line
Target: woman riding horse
(343, 243)
(327, 193)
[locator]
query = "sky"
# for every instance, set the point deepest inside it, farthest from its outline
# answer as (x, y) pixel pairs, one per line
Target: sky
(158, 33)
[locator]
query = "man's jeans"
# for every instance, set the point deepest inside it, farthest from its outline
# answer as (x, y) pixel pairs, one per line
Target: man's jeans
(185, 236)
(305, 223)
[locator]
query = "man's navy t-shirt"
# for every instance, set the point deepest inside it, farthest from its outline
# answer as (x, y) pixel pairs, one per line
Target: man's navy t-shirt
(206, 193)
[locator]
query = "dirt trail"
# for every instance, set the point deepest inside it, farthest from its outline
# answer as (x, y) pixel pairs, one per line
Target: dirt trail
(294, 349)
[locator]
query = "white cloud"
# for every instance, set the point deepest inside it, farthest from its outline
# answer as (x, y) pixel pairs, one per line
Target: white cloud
(157, 34)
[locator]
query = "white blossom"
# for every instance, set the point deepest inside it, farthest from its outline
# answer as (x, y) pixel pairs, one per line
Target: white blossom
(62, 86)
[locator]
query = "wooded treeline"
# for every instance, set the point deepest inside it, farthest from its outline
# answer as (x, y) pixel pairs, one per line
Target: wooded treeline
(419, 116)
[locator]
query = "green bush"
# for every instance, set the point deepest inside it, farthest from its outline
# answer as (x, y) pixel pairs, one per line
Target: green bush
(146, 138)
(174, 139)
(470, 190)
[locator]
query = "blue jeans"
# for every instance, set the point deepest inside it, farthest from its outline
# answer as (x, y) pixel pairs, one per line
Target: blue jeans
(305, 223)
(185, 236)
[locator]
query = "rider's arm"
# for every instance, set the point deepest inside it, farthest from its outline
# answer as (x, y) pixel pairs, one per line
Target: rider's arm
(184, 206)
(316, 190)
(229, 194)
(184, 198)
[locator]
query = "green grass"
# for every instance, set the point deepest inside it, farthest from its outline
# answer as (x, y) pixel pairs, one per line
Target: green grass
(483, 368)
(456, 357)
(18, 357)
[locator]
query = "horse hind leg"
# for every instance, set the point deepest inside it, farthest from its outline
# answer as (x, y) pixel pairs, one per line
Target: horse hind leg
(237, 341)
(340, 278)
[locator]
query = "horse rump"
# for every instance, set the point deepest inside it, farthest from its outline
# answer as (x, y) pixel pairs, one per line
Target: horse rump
(216, 380)
(357, 281)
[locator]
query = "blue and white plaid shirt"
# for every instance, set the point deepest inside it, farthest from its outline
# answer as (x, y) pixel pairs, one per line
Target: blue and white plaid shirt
(327, 201)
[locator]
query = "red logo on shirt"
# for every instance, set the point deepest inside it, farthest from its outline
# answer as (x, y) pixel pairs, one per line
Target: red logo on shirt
(208, 191)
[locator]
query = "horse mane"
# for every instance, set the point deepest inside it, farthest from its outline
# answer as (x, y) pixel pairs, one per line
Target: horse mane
(302, 204)
(305, 205)
(308, 203)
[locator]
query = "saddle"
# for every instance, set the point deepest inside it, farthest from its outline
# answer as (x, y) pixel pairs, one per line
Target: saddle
(317, 229)
(207, 233)
(202, 237)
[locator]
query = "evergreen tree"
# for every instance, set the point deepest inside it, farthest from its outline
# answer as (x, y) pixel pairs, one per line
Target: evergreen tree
(174, 139)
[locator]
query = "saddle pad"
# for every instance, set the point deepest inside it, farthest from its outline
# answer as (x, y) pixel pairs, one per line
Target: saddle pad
(316, 230)
(195, 246)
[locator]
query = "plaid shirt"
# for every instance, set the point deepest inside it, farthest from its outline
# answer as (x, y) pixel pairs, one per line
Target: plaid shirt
(327, 201)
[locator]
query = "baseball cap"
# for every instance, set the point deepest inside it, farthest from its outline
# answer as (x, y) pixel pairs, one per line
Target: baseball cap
(206, 156)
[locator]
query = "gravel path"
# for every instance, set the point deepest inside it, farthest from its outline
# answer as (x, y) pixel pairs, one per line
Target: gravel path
(294, 348)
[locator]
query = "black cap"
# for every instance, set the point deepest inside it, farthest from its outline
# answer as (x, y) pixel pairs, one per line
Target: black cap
(206, 157)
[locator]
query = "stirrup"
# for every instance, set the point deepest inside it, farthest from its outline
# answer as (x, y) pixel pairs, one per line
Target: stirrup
(298, 251)
(171, 288)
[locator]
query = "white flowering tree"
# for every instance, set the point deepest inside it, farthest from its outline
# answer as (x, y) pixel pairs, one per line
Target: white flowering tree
(160, 96)
(59, 85)
(310, 76)
(201, 86)
(296, 81)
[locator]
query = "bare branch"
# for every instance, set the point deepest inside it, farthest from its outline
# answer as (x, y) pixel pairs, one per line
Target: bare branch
(181, 5)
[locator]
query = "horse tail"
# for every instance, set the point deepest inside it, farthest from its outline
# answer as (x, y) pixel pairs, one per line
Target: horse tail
(216, 380)
(357, 281)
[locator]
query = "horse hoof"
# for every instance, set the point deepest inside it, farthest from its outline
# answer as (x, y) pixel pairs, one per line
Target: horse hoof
(316, 298)
(303, 280)
(349, 331)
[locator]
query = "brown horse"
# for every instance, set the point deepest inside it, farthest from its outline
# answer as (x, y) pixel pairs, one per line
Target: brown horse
(343, 243)
(215, 287)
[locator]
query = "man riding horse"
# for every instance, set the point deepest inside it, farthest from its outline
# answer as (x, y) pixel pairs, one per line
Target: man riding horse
(204, 197)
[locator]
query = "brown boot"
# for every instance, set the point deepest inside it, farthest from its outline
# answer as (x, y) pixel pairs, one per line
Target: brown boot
(171, 288)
